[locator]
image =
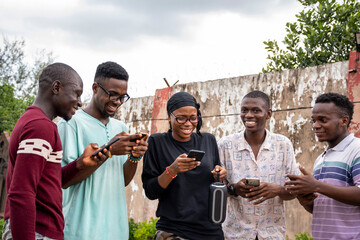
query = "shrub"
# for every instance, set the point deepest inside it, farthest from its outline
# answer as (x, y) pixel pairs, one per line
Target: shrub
(301, 236)
(2, 222)
(143, 230)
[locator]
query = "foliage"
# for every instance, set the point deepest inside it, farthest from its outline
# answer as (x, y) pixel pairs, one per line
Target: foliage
(323, 33)
(143, 230)
(2, 223)
(18, 80)
(301, 236)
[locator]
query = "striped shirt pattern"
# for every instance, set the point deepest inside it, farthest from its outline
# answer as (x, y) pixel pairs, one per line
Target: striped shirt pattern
(339, 166)
(39, 147)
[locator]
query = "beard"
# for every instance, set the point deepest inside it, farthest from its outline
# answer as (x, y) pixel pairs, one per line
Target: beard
(106, 114)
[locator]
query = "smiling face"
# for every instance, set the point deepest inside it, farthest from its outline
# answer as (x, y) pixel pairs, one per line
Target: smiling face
(68, 97)
(104, 105)
(182, 132)
(254, 114)
(329, 123)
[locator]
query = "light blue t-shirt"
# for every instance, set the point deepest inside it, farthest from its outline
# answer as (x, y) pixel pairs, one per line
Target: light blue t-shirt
(95, 208)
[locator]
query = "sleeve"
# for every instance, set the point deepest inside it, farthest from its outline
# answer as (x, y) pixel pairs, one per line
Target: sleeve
(221, 153)
(35, 146)
(69, 144)
(355, 170)
(216, 153)
(291, 166)
(124, 129)
(151, 172)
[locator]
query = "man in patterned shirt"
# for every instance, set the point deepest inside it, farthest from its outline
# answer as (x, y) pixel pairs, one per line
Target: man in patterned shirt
(336, 180)
(256, 212)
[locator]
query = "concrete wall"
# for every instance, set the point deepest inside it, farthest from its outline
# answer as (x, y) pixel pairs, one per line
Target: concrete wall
(292, 93)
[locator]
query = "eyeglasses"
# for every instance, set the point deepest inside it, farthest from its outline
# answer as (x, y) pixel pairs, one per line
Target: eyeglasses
(182, 119)
(115, 97)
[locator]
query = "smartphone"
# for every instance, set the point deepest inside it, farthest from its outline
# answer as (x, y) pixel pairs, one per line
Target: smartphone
(252, 182)
(106, 146)
(197, 154)
(143, 135)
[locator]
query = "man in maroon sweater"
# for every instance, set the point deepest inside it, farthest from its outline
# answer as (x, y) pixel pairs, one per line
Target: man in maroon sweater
(34, 202)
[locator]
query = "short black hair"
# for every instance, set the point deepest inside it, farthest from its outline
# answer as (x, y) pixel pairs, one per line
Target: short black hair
(341, 101)
(259, 94)
(110, 70)
(56, 71)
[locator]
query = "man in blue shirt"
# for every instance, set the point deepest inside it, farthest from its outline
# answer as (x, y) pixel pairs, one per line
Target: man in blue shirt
(95, 206)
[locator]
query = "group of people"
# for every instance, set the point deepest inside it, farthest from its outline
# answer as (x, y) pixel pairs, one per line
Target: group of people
(45, 157)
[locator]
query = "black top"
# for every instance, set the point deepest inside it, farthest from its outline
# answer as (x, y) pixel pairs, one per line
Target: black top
(183, 205)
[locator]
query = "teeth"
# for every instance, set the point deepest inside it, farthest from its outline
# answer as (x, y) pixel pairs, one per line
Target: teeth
(248, 123)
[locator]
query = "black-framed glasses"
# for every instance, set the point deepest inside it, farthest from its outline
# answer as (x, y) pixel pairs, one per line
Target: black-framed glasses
(183, 119)
(115, 97)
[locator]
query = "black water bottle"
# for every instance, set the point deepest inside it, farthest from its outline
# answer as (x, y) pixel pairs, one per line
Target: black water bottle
(217, 201)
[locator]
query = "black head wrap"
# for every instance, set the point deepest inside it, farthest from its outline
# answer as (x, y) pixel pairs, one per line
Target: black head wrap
(183, 99)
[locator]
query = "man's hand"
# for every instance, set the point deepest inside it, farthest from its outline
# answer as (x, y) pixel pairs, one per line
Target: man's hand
(141, 146)
(263, 192)
(85, 160)
(222, 172)
(123, 146)
(301, 184)
(241, 188)
(307, 201)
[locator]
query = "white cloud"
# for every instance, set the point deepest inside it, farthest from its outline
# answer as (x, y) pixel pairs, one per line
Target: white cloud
(186, 41)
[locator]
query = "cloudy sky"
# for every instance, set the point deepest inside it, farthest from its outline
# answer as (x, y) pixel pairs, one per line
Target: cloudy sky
(185, 40)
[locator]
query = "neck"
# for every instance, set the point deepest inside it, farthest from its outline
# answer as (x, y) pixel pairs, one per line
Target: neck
(338, 139)
(47, 108)
(93, 111)
(255, 138)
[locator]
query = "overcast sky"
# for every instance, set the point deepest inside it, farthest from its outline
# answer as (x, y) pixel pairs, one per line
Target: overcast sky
(187, 40)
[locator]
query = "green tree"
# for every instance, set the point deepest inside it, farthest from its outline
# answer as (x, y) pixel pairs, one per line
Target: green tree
(323, 33)
(18, 80)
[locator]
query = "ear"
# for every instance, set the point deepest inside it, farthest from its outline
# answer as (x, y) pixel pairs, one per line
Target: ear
(344, 121)
(95, 87)
(269, 113)
(56, 87)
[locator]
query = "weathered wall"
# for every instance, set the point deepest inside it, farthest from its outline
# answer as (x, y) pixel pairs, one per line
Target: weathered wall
(292, 93)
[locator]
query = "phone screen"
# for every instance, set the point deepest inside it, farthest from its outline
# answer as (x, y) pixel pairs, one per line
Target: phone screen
(197, 154)
(105, 146)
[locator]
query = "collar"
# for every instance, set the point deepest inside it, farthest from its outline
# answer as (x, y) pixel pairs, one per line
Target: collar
(340, 147)
(245, 145)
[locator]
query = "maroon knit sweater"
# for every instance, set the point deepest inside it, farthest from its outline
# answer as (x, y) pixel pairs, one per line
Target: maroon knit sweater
(33, 184)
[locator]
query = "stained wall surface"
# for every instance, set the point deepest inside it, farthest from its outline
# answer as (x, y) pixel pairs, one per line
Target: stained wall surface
(292, 94)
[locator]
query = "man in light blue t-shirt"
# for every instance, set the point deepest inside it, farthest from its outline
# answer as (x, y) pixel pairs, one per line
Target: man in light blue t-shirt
(94, 206)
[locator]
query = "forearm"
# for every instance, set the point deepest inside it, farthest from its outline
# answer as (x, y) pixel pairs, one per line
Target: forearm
(306, 203)
(349, 195)
(22, 216)
(129, 171)
(164, 179)
(285, 195)
(73, 176)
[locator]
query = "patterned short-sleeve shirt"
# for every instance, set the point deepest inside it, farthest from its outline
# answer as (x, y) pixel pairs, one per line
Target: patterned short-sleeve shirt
(275, 159)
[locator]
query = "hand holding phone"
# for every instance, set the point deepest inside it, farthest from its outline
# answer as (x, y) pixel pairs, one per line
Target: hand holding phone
(143, 136)
(107, 145)
(197, 154)
(252, 182)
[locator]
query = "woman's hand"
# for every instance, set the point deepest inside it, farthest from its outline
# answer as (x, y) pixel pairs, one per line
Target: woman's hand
(221, 170)
(183, 164)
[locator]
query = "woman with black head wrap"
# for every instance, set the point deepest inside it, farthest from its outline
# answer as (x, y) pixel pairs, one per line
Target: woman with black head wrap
(180, 183)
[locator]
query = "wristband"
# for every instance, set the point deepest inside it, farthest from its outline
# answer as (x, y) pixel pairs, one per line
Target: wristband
(231, 190)
(132, 159)
(168, 173)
